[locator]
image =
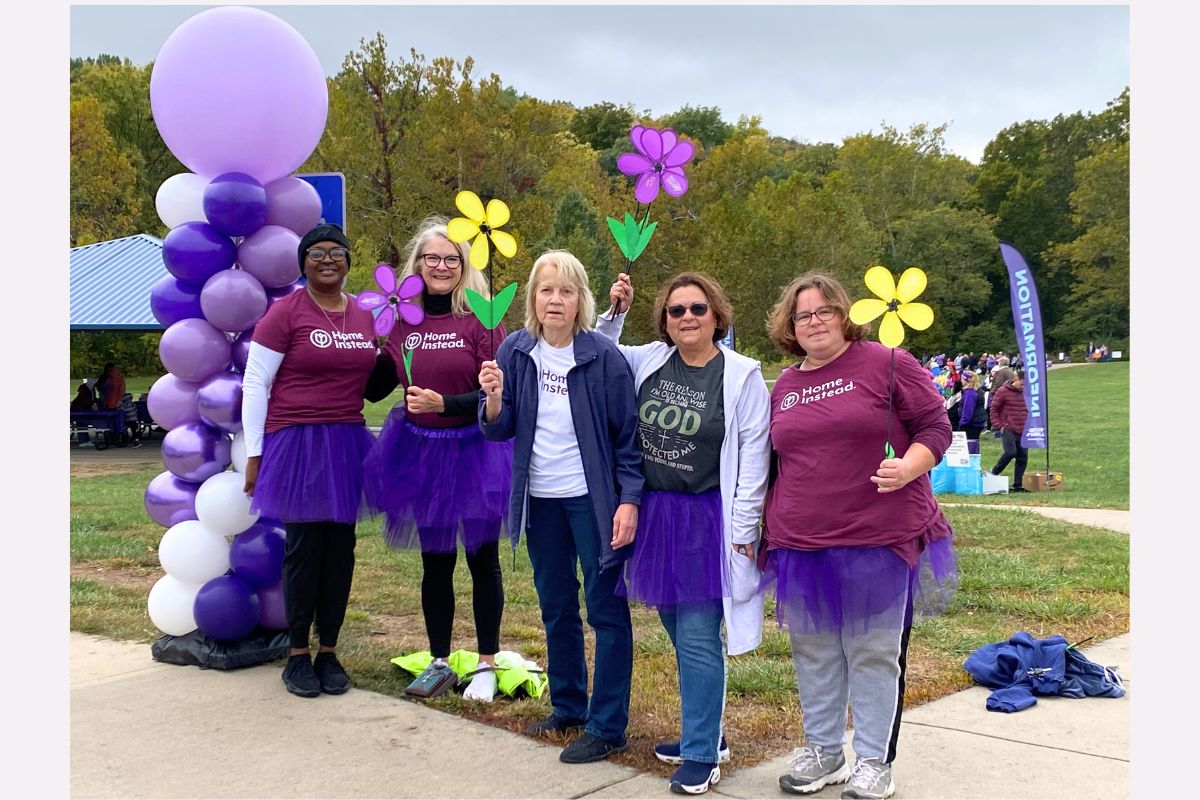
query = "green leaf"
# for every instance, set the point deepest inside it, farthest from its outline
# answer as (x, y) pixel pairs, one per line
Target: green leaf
(618, 232)
(632, 232)
(643, 240)
(490, 312)
(408, 365)
(502, 301)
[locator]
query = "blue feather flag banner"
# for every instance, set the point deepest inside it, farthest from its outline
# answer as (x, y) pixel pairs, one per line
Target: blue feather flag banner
(1027, 318)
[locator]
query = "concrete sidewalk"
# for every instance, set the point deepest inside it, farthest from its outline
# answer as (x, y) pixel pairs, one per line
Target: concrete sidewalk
(1113, 519)
(144, 729)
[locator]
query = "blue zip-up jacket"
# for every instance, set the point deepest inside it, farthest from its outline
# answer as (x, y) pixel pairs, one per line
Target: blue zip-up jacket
(604, 412)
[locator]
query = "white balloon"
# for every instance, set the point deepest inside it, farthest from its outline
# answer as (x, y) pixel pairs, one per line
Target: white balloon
(170, 605)
(180, 199)
(192, 553)
(238, 451)
(222, 505)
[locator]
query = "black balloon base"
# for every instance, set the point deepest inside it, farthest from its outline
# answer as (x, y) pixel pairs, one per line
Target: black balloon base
(197, 650)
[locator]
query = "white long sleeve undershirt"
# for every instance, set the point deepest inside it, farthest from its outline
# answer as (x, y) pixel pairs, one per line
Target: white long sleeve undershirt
(261, 366)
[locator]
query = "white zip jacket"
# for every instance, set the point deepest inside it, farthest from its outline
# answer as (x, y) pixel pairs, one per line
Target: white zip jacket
(745, 459)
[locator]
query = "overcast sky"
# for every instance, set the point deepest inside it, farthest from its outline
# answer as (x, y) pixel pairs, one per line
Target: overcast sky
(813, 73)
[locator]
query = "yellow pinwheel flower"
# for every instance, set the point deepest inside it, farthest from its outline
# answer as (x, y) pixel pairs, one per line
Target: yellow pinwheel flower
(483, 226)
(894, 303)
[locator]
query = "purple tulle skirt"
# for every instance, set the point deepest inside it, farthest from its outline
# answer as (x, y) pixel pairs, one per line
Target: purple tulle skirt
(437, 486)
(678, 553)
(857, 589)
(313, 473)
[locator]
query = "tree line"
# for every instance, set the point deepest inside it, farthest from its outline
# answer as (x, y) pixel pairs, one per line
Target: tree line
(409, 132)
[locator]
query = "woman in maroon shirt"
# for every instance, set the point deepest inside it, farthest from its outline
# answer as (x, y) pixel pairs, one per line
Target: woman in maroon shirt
(855, 541)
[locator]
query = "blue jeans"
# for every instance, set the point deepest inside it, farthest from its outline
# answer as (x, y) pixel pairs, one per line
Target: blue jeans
(695, 630)
(560, 531)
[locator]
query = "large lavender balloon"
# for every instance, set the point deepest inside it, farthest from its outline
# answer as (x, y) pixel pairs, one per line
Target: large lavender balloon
(235, 89)
(195, 452)
(170, 500)
(294, 204)
(233, 300)
(219, 402)
(172, 402)
(269, 254)
(193, 350)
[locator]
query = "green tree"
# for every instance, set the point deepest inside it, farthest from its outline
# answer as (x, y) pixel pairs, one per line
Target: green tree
(602, 126)
(702, 124)
(104, 200)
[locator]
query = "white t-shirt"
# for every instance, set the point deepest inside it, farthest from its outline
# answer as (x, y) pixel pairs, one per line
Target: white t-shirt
(555, 469)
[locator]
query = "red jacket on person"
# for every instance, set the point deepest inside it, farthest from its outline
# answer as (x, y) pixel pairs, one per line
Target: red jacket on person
(1008, 410)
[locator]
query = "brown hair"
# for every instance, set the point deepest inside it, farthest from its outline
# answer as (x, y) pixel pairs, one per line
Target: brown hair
(782, 330)
(718, 303)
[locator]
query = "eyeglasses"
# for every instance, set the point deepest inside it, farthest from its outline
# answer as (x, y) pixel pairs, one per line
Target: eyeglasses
(317, 254)
(431, 260)
(824, 314)
(697, 309)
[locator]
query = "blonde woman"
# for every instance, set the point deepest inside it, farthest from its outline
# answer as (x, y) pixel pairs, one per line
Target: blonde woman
(565, 395)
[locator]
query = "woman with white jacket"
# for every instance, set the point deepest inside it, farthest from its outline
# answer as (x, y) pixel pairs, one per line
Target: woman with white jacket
(702, 428)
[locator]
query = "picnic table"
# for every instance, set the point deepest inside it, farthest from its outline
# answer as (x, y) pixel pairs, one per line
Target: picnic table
(110, 425)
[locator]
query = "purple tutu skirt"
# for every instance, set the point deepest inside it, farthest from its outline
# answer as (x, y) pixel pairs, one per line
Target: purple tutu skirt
(678, 553)
(437, 486)
(313, 473)
(857, 589)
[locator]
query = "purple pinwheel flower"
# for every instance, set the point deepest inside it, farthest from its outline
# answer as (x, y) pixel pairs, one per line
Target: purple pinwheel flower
(393, 301)
(658, 162)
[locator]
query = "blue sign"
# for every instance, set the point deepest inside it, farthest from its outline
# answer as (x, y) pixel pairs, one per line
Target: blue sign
(331, 186)
(728, 341)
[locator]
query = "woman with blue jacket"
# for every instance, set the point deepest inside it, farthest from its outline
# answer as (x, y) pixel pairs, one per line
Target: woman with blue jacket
(703, 413)
(566, 395)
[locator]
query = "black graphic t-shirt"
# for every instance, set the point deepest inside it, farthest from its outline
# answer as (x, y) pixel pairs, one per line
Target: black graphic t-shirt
(681, 424)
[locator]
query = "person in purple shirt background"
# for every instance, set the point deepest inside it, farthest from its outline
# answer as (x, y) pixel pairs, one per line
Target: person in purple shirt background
(432, 472)
(855, 543)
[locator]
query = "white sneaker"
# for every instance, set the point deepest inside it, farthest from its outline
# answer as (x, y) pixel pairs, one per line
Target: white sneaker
(87, 444)
(812, 769)
(871, 780)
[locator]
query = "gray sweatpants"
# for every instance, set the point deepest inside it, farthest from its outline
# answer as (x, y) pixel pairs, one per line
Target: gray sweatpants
(865, 670)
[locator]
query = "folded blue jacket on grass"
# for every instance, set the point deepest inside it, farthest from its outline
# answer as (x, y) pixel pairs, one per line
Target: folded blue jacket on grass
(1023, 667)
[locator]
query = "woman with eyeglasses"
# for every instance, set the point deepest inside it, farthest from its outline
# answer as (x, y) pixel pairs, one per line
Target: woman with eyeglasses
(702, 430)
(565, 396)
(302, 397)
(855, 541)
(432, 471)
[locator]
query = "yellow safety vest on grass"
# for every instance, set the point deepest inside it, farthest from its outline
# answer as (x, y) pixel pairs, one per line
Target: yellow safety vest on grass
(514, 675)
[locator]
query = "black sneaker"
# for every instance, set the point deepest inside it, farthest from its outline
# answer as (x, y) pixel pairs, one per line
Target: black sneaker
(692, 777)
(668, 752)
(553, 724)
(334, 679)
(588, 748)
(299, 676)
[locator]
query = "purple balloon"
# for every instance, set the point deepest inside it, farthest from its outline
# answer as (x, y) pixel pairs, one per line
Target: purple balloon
(172, 300)
(256, 555)
(172, 402)
(241, 346)
(273, 614)
(195, 452)
(170, 500)
(226, 608)
(235, 204)
(270, 254)
(193, 350)
(235, 89)
(275, 295)
(195, 251)
(294, 204)
(233, 300)
(219, 402)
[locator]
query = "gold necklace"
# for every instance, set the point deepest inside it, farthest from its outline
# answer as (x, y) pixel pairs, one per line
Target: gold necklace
(332, 327)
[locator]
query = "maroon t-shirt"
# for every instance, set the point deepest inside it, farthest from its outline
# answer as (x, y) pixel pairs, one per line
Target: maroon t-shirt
(448, 352)
(327, 359)
(828, 427)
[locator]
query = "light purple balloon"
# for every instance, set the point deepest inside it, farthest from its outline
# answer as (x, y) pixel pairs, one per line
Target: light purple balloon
(171, 402)
(195, 452)
(256, 555)
(275, 295)
(219, 401)
(270, 254)
(233, 300)
(226, 608)
(272, 610)
(240, 350)
(192, 350)
(195, 251)
(235, 89)
(235, 204)
(294, 204)
(172, 300)
(170, 500)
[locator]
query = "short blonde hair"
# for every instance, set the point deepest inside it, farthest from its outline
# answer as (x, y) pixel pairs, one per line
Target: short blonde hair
(571, 273)
(469, 277)
(718, 304)
(782, 330)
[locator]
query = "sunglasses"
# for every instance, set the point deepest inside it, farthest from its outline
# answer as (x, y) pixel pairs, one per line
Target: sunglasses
(697, 309)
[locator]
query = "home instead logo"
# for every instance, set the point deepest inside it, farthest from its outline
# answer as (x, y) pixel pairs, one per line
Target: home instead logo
(339, 341)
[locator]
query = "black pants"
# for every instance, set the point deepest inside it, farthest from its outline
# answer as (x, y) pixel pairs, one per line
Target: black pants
(487, 598)
(318, 564)
(1012, 450)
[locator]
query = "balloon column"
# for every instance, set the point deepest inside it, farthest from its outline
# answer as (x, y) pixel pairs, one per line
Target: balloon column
(240, 99)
